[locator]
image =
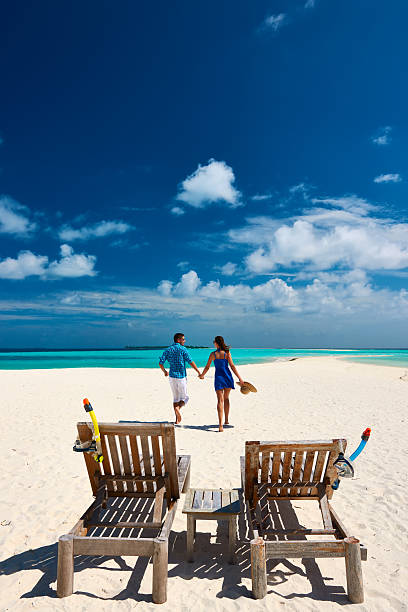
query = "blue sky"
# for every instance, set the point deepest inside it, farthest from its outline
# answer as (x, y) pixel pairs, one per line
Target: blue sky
(227, 168)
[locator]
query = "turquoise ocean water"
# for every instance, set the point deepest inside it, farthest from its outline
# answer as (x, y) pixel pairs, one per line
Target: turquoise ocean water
(28, 360)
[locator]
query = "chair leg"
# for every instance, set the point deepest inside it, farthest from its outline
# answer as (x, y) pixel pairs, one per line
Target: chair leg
(160, 570)
(258, 568)
(191, 528)
(354, 573)
(65, 571)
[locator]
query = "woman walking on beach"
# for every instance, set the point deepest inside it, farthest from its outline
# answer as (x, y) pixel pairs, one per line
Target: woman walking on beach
(223, 381)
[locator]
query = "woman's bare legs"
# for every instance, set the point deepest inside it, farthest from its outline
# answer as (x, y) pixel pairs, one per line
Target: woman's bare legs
(226, 405)
(220, 408)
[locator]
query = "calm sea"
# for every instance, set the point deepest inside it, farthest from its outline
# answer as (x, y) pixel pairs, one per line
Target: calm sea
(28, 360)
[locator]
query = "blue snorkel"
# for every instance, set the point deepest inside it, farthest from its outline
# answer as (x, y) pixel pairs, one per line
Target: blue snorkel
(344, 466)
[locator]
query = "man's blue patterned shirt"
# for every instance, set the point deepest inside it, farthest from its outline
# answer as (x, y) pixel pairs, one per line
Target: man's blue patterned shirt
(177, 356)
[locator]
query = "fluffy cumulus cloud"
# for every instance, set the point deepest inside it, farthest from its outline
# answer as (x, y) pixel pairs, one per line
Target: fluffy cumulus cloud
(272, 295)
(14, 218)
(383, 136)
(98, 230)
(339, 233)
(208, 184)
(70, 265)
(345, 293)
(388, 178)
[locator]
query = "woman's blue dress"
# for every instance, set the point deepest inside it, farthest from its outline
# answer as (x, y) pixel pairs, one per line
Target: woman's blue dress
(223, 377)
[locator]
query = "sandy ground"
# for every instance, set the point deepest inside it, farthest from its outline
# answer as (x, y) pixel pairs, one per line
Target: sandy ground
(46, 487)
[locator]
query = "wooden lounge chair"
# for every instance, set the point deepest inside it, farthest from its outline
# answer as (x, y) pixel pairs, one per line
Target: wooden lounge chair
(275, 472)
(140, 464)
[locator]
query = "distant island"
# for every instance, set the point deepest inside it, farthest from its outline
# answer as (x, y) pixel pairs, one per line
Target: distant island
(159, 348)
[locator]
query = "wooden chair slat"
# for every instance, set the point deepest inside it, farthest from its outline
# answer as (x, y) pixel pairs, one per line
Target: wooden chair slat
(107, 467)
(318, 471)
(157, 461)
(276, 462)
(198, 499)
(297, 469)
(126, 461)
(147, 468)
(286, 465)
(225, 498)
(207, 500)
(265, 466)
(217, 499)
(140, 487)
(307, 471)
(115, 460)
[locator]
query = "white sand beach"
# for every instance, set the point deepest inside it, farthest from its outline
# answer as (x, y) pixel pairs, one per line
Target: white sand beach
(46, 486)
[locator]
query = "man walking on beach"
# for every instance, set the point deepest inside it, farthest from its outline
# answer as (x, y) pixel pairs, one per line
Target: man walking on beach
(177, 356)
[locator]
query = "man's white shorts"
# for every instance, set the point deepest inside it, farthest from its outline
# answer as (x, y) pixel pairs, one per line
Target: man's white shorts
(179, 388)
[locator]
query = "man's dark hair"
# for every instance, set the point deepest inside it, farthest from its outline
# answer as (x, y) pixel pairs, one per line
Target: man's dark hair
(178, 337)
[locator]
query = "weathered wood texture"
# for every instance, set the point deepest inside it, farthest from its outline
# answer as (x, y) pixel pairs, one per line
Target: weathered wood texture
(212, 501)
(291, 469)
(139, 461)
(304, 549)
(212, 504)
(275, 471)
(65, 569)
(160, 562)
(134, 450)
(258, 568)
(354, 574)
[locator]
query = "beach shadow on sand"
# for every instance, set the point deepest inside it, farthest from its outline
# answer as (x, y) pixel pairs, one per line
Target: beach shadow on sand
(211, 428)
(210, 563)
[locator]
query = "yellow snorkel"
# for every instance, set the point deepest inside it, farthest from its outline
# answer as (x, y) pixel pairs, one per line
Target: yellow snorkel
(93, 446)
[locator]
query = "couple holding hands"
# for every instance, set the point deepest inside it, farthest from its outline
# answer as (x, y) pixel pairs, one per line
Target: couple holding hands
(177, 356)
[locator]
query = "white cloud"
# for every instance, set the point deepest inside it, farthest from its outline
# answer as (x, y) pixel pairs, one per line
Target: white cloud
(183, 265)
(72, 265)
(388, 178)
(188, 284)
(14, 218)
(165, 287)
(342, 234)
(310, 4)
(301, 189)
(27, 264)
(99, 230)
(209, 184)
(176, 210)
(271, 295)
(260, 197)
(228, 269)
(274, 22)
(383, 136)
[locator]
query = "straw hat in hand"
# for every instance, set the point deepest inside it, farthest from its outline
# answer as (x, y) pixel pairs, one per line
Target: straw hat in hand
(246, 387)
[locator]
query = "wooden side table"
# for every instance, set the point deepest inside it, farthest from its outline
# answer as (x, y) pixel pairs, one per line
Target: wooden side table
(212, 504)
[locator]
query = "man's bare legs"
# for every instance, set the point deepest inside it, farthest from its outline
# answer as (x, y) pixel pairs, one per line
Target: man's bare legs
(177, 406)
(226, 405)
(220, 408)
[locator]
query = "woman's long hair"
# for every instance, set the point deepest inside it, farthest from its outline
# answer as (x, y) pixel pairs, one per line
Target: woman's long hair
(221, 343)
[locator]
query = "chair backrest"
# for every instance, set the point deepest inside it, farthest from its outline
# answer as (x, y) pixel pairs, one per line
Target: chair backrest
(133, 449)
(292, 469)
